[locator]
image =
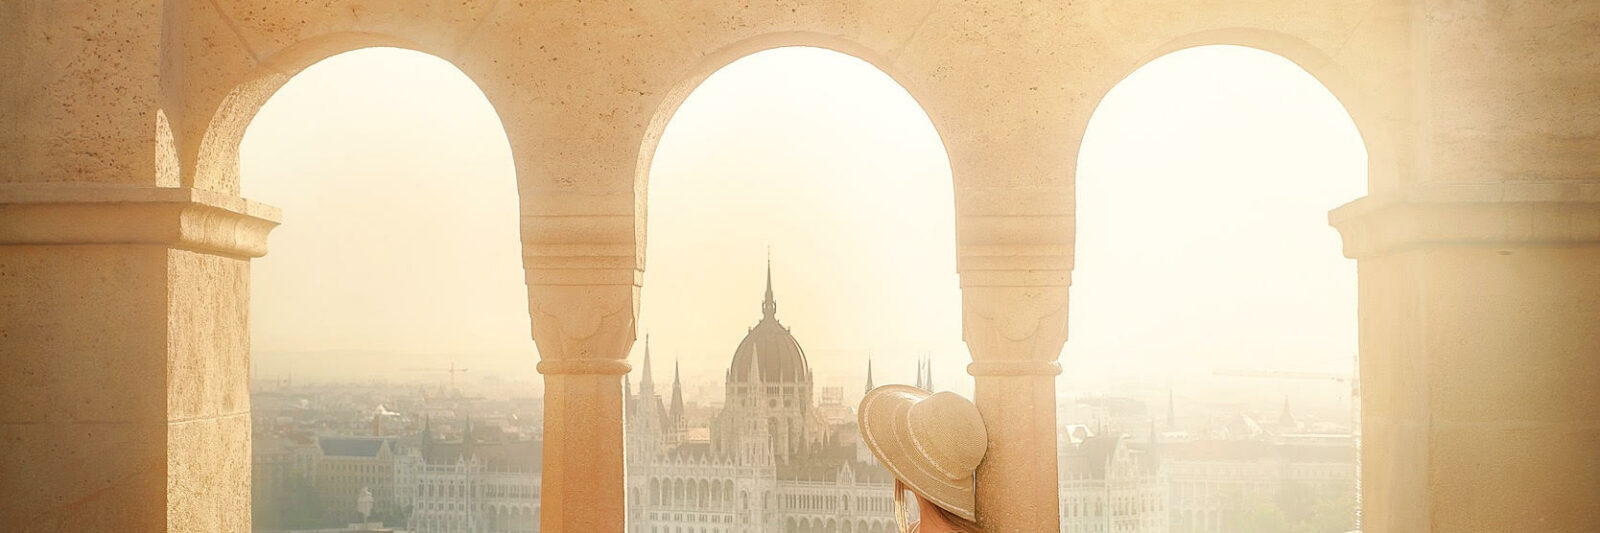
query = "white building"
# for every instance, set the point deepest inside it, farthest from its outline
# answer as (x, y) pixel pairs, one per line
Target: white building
(772, 462)
(1108, 486)
(470, 486)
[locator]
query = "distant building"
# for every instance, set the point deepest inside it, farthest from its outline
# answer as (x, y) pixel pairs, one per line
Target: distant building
(1108, 486)
(470, 485)
(346, 465)
(1213, 481)
(772, 461)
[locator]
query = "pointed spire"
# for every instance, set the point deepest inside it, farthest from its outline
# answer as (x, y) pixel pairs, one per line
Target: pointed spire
(676, 414)
(928, 381)
(919, 375)
(647, 382)
(769, 306)
(869, 372)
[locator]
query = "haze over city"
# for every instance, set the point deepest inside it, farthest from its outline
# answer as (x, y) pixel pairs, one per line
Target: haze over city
(1202, 243)
(723, 266)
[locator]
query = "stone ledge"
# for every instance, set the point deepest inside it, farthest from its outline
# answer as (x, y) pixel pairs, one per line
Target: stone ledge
(184, 218)
(1478, 214)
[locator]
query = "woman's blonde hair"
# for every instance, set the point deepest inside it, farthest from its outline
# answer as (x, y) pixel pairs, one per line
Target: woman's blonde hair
(902, 516)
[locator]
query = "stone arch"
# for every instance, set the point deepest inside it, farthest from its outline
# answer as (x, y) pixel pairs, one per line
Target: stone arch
(1358, 102)
(213, 163)
(722, 57)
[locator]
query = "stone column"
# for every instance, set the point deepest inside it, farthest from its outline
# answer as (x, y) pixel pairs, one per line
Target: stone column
(124, 402)
(583, 273)
(1480, 356)
(1015, 260)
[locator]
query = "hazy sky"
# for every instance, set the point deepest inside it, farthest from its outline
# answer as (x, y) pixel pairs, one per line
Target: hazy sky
(1203, 188)
(400, 218)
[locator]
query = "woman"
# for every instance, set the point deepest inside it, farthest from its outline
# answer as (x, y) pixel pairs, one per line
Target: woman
(931, 443)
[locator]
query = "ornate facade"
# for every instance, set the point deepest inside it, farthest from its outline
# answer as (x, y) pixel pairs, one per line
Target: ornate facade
(469, 486)
(770, 462)
(1108, 486)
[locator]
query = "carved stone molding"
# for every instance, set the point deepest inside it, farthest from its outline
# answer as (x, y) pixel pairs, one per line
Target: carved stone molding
(583, 256)
(1477, 214)
(1015, 237)
(1015, 260)
(184, 218)
(1014, 331)
(583, 329)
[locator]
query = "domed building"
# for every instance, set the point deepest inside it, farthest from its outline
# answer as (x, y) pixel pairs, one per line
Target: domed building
(770, 461)
(768, 389)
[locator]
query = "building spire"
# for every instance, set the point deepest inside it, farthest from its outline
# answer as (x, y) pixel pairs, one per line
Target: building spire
(647, 385)
(920, 384)
(676, 413)
(869, 372)
(769, 306)
(928, 381)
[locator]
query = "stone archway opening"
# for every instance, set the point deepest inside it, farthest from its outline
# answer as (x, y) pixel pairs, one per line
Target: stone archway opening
(395, 288)
(824, 164)
(1208, 279)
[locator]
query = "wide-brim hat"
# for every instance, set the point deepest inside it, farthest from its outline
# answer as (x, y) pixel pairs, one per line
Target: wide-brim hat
(930, 441)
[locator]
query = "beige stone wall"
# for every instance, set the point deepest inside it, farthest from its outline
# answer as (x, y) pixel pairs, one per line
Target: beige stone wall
(82, 411)
(125, 335)
(78, 100)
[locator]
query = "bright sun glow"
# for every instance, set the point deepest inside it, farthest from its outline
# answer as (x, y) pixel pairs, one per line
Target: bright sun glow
(1203, 186)
(828, 161)
(399, 245)
(1204, 183)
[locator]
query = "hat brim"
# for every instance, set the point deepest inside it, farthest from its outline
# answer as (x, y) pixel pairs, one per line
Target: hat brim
(886, 430)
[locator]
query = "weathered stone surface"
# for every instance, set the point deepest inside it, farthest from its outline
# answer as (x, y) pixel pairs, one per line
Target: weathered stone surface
(123, 282)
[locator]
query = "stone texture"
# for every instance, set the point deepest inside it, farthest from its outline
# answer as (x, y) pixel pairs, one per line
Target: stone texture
(124, 246)
(78, 101)
(81, 405)
(208, 474)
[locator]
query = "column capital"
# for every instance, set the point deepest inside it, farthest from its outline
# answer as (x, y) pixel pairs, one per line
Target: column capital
(584, 260)
(1014, 255)
(1471, 214)
(583, 329)
(185, 218)
(1015, 259)
(1015, 237)
(1014, 331)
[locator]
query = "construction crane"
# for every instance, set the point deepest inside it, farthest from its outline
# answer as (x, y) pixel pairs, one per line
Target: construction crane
(452, 371)
(1352, 379)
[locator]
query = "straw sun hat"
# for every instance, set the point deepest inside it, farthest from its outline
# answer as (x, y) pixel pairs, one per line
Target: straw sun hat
(930, 441)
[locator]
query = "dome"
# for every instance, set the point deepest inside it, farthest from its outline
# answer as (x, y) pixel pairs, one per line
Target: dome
(769, 349)
(775, 354)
